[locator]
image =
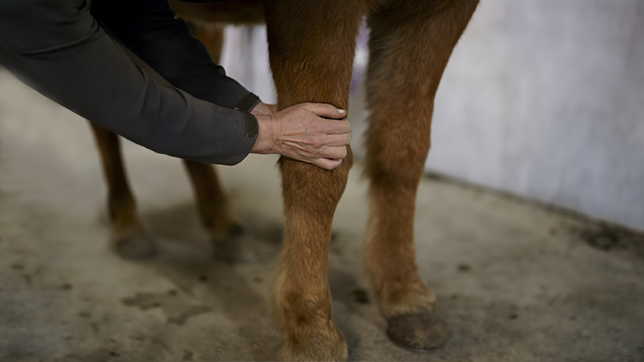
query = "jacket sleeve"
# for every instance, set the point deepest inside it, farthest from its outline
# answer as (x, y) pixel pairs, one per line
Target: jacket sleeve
(59, 49)
(148, 28)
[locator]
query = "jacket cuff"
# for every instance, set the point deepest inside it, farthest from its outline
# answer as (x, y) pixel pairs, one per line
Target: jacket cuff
(247, 103)
(245, 145)
(252, 126)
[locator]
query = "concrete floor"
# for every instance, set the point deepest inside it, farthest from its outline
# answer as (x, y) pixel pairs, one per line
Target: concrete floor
(515, 281)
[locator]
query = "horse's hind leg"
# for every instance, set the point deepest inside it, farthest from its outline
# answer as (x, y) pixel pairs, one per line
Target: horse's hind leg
(311, 47)
(410, 45)
(129, 236)
(216, 213)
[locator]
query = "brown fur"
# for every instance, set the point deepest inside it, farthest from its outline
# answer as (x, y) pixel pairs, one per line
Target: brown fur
(311, 49)
(236, 12)
(129, 236)
(400, 95)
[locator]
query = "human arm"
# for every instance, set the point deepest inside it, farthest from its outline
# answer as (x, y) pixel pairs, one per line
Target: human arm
(57, 47)
(148, 28)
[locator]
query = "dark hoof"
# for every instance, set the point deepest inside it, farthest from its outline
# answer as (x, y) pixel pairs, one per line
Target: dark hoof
(232, 252)
(134, 243)
(418, 332)
(232, 248)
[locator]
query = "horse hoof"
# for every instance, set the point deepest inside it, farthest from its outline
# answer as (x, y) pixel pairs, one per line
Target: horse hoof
(134, 243)
(231, 248)
(234, 252)
(418, 332)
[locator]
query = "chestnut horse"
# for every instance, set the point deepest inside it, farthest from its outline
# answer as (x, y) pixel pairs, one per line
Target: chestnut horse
(311, 50)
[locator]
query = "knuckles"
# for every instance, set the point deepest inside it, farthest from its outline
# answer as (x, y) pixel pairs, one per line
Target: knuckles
(316, 144)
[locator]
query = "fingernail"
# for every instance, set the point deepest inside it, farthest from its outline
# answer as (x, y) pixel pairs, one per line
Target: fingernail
(341, 110)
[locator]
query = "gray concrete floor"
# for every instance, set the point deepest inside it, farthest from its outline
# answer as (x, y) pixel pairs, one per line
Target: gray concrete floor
(515, 281)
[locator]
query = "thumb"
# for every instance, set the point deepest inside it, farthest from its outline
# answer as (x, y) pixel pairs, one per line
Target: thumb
(326, 110)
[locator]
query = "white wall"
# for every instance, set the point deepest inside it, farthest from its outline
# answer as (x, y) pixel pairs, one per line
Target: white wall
(542, 98)
(245, 58)
(545, 99)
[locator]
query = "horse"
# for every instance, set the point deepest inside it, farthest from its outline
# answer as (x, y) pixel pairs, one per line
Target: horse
(311, 50)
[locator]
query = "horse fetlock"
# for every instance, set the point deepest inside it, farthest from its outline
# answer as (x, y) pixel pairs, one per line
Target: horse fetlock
(132, 241)
(230, 244)
(305, 317)
(320, 343)
(398, 298)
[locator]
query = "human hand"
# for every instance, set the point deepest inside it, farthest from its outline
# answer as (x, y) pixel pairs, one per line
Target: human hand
(300, 132)
(263, 108)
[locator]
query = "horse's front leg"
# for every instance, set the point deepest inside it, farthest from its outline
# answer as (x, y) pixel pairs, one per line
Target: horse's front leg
(311, 46)
(410, 45)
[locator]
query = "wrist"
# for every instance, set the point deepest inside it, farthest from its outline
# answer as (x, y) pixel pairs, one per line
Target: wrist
(263, 108)
(265, 142)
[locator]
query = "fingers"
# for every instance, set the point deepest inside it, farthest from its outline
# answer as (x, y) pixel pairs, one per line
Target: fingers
(325, 117)
(325, 157)
(341, 139)
(327, 126)
(330, 140)
(325, 110)
(334, 152)
(336, 126)
(326, 163)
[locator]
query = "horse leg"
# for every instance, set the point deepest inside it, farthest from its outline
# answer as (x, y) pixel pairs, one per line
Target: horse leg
(129, 236)
(311, 49)
(216, 213)
(410, 45)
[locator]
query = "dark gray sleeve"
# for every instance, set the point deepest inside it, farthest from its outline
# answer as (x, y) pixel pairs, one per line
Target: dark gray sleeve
(149, 29)
(58, 48)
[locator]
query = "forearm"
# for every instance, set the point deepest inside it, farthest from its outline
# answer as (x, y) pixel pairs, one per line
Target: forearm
(68, 58)
(148, 29)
